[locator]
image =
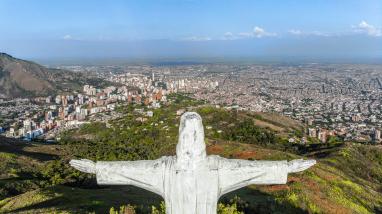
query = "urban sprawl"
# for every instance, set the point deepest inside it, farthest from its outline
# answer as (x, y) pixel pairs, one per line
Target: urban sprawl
(341, 101)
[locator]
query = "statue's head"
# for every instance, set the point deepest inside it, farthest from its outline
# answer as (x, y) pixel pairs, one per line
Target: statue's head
(191, 146)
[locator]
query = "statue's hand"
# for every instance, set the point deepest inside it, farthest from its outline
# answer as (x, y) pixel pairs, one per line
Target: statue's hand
(84, 165)
(300, 165)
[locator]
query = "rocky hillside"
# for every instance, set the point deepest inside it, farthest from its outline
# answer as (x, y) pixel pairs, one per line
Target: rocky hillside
(21, 78)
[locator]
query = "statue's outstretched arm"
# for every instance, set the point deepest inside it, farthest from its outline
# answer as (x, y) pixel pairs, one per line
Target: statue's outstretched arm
(235, 174)
(146, 174)
(84, 165)
(299, 165)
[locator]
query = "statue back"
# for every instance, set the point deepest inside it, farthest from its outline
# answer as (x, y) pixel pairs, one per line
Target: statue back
(190, 191)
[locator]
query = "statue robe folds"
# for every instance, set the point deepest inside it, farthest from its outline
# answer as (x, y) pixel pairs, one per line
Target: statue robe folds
(191, 191)
(191, 182)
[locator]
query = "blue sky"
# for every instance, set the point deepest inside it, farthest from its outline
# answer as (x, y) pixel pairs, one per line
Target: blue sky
(190, 28)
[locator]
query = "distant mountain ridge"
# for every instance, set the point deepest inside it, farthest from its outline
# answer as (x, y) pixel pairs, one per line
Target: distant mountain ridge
(21, 78)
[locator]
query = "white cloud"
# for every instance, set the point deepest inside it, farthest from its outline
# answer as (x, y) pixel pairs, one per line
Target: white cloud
(295, 32)
(260, 32)
(67, 37)
(309, 33)
(245, 34)
(364, 27)
(73, 38)
(318, 33)
(228, 36)
(257, 32)
(198, 38)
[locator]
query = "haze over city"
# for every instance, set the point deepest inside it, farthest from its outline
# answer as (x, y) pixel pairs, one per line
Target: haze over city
(193, 29)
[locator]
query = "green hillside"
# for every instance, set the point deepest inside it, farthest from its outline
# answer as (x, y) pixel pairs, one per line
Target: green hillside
(36, 178)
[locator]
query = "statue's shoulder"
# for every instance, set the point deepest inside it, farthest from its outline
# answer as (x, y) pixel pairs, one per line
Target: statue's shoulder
(160, 162)
(166, 159)
(214, 157)
(213, 161)
(217, 158)
(229, 163)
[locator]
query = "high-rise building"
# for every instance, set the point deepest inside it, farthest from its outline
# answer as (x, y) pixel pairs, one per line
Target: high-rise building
(312, 132)
(27, 124)
(58, 99)
(322, 135)
(376, 135)
(64, 101)
(48, 115)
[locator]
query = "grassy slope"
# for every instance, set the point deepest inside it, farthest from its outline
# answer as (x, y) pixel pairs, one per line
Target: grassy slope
(346, 181)
(334, 185)
(276, 122)
(347, 178)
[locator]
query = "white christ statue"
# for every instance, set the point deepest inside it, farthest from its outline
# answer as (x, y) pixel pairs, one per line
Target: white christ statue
(191, 182)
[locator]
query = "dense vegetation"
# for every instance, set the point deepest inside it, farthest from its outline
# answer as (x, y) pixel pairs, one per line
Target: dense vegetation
(37, 177)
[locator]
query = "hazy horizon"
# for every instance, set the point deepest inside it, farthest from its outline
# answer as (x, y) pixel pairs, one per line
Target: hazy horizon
(319, 31)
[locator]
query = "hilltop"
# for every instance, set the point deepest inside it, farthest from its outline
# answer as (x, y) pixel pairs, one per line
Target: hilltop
(21, 78)
(36, 178)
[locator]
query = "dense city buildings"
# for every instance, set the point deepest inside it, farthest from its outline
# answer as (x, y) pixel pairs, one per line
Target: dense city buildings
(336, 102)
(47, 116)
